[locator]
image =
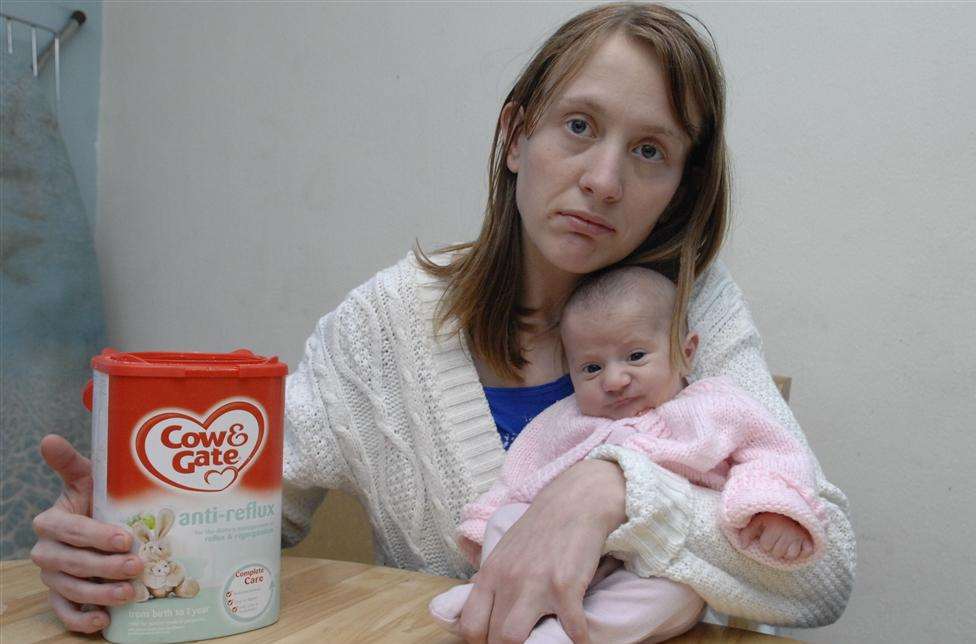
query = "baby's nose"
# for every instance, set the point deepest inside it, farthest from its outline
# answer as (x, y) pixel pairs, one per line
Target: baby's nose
(615, 380)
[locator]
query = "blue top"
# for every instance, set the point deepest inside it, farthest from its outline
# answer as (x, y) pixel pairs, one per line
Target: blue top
(513, 407)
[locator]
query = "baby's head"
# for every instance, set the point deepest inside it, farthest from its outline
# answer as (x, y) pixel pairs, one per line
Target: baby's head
(615, 330)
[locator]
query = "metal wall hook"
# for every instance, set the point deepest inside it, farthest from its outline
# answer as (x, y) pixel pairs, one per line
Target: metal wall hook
(70, 28)
(53, 50)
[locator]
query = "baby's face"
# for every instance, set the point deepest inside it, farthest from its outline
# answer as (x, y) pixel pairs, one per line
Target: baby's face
(619, 361)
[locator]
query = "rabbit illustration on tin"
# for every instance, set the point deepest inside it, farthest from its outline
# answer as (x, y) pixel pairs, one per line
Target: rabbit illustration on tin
(165, 577)
(161, 575)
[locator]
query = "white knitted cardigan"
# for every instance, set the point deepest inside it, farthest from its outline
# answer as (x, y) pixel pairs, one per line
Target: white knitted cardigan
(386, 410)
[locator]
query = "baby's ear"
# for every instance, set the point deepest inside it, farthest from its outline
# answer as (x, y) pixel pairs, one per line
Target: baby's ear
(689, 347)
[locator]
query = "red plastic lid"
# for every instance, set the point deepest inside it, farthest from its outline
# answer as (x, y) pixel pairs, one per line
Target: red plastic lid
(163, 364)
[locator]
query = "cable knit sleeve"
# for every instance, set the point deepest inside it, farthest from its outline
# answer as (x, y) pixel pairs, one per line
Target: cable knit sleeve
(316, 417)
(673, 529)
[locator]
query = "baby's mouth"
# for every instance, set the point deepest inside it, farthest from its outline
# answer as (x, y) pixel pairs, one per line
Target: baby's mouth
(623, 402)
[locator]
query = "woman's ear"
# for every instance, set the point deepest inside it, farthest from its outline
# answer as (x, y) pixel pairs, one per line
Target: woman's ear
(512, 121)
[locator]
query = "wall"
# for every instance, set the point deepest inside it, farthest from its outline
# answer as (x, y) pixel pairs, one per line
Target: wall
(258, 161)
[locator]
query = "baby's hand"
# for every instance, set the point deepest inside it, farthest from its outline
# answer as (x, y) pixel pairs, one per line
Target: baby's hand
(779, 536)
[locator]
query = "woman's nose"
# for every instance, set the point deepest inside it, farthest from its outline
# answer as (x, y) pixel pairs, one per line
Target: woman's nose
(601, 175)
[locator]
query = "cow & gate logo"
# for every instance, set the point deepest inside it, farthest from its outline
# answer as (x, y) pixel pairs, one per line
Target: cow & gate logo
(206, 455)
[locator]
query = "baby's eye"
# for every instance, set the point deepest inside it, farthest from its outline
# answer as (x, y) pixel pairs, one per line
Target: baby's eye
(650, 152)
(591, 368)
(577, 126)
(637, 355)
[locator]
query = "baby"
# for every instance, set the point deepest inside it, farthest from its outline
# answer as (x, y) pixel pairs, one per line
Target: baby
(628, 392)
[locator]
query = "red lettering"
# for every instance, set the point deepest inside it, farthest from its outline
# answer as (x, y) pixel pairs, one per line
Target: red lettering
(167, 441)
(185, 461)
(181, 462)
(213, 438)
(237, 435)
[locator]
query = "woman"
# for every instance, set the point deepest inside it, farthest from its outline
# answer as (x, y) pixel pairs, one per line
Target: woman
(610, 148)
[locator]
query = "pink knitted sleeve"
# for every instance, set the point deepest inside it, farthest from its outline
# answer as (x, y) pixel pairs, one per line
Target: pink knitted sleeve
(770, 472)
(714, 426)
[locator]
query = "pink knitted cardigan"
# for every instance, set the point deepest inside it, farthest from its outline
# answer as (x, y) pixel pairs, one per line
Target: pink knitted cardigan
(712, 433)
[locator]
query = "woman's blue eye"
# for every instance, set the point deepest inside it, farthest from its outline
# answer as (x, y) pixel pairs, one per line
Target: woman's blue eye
(573, 123)
(591, 368)
(637, 355)
(650, 152)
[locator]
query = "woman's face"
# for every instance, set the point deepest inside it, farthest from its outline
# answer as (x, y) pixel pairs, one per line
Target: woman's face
(602, 163)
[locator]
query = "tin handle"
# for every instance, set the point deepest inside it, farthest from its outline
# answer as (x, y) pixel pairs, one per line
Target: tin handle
(86, 395)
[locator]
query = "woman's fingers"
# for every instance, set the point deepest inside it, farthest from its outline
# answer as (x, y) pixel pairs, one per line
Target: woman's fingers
(548, 556)
(573, 620)
(71, 546)
(607, 566)
(475, 615)
(75, 619)
(77, 530)
(80, 562)
(512, 623)
(80, 591)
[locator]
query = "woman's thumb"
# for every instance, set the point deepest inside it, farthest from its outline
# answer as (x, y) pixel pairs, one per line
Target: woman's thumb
(61, 457)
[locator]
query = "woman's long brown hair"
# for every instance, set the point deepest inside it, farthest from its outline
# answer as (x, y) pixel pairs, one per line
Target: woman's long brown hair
(484, 277)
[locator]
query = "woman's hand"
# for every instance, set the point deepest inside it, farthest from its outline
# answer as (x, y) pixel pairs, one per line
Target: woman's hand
(545, 562)
(71, 547)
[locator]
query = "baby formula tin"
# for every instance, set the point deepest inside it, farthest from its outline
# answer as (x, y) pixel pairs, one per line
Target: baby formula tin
(186, 453)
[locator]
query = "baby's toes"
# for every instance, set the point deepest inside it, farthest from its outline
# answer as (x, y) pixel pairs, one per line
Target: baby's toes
(446, 607)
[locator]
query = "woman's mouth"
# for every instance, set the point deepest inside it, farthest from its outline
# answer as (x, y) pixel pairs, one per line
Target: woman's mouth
(585, 223)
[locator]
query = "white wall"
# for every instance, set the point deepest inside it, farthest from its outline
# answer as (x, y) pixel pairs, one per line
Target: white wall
(257, 161)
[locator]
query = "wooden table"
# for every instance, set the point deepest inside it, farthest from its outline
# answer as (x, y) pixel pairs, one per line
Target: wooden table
(322, 600)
